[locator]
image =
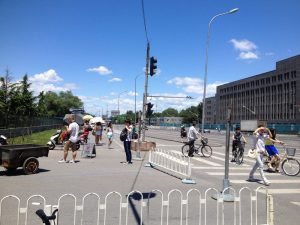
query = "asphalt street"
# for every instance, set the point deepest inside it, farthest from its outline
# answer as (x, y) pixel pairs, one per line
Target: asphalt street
(105, 173)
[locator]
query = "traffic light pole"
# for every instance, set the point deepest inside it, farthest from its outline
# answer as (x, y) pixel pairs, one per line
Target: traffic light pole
(146, 91)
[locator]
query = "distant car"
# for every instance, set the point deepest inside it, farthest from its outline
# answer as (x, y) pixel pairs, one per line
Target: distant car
(204, 131)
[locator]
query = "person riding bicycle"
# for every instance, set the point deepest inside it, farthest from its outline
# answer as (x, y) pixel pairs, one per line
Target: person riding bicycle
(272, 151)
(236, 141)
(192, 136)
(182, 132)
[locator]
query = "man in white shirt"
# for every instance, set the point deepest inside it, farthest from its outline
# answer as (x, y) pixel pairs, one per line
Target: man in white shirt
(192, 136)
(72, 130)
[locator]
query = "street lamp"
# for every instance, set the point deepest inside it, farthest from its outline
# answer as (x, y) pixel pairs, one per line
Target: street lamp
(119, 100)
(206, 61)
(253, 112)
(135, 96)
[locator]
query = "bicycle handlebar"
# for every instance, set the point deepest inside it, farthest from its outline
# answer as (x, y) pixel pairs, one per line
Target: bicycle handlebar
(46, 219)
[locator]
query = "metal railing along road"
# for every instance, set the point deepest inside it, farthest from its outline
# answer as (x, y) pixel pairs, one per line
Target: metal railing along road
(155, 207)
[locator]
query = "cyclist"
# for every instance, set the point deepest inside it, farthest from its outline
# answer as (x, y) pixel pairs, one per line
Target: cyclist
(236, 141)
(272, 151)
(182, 132)
(192, 136)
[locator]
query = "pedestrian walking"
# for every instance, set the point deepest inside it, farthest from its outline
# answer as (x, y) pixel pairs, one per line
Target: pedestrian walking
(72, 131)
(127, 142)
(109, 134)
(259, 138)
(98, 129)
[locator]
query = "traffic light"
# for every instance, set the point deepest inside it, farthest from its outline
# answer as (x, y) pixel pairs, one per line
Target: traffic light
(153, 66)
(149, 109)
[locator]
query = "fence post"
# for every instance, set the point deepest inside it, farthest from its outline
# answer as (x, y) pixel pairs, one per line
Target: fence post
(270, 210)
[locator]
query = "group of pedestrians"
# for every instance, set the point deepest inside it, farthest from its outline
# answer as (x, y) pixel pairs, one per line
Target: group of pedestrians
(72, 130)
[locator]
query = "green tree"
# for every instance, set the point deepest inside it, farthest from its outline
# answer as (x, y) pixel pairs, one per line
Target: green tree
(169, 112)
(59, 104)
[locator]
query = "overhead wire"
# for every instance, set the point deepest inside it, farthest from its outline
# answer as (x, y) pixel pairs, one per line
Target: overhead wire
(144, 19)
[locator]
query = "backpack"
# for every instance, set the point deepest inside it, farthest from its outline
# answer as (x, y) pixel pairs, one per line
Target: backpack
(123, 134)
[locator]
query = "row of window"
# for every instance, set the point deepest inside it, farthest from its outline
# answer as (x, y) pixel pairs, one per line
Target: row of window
(261, 82)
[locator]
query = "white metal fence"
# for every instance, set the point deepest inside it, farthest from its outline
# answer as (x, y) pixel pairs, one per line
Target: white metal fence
(172, 161)
(176, 207)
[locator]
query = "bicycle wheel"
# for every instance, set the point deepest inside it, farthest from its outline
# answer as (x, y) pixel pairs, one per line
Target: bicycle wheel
(290, 167)
(239, 156)
(206, 151)
(185, 150)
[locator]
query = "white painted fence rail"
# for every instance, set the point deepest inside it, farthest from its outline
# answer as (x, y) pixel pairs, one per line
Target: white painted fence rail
(193, 207)
(172, 161)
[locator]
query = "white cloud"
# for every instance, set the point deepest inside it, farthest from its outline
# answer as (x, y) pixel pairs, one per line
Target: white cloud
(248, 55)
(132, 93)
(102, 70)
(38, 87)
(48, 76)
(243, 45)
(115, 79)
(246, 48)
(194, 85)
(45, 82)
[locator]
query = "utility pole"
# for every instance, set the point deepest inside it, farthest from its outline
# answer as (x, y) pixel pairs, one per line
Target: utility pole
(146, 91)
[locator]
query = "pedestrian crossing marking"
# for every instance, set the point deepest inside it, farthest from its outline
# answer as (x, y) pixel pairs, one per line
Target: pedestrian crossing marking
(202, 160)
(272, 182)
(296, 203)
(221, 168)
(244, 160)
(238, 174)
(282, 191)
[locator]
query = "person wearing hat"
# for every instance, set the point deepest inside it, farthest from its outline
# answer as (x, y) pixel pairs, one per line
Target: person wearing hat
(259, 145)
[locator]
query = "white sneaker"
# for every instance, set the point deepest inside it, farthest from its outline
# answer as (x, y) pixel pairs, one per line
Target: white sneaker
(62, 161)
(266, 182)
(71, 161)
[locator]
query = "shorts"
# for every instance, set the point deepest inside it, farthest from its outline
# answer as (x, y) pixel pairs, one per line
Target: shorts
(71, 145)
(271, 150)
(109, 136)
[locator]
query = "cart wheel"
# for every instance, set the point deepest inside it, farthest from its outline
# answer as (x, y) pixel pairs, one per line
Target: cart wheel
(31, 165)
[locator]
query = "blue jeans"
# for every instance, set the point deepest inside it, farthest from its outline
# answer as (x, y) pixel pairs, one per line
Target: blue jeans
(127, 145)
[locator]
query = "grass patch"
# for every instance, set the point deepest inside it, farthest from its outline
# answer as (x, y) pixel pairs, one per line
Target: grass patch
(39, 138)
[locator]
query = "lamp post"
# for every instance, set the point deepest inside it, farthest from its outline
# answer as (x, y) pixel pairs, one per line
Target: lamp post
(253, 112)
(135, 96)
(206, 62)
(119, 100)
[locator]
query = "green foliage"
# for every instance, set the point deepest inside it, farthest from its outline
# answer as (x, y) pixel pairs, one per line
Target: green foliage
(169, 112)
(16, 99)
(40, 138)
(59, 104)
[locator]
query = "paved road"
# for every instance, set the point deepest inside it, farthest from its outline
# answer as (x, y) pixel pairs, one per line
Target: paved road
(105, 173)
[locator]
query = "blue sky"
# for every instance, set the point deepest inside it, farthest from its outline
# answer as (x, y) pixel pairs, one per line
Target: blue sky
(96, 48)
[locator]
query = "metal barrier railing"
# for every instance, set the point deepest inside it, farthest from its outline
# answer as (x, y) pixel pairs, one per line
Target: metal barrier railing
(177, 208)
(172, 161)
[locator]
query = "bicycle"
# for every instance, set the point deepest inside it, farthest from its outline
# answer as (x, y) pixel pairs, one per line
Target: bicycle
(289, 165)
(205, 149)
(46, 219)
(238, 152)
